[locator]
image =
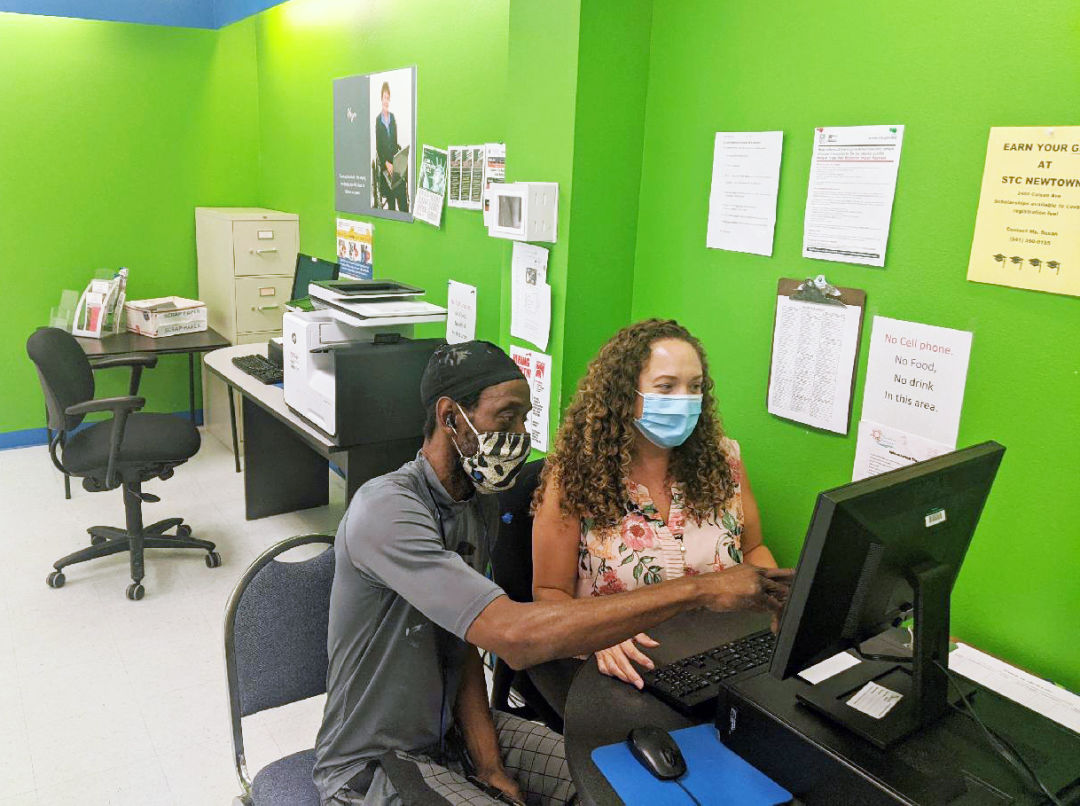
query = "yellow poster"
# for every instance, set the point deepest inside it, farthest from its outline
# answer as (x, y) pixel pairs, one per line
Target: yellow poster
(1027, 233)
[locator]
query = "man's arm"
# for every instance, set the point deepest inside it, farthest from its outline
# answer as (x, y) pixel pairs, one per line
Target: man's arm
(527, 634)
(473, 715)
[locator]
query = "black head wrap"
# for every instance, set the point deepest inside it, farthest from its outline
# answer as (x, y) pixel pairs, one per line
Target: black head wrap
(460, 370)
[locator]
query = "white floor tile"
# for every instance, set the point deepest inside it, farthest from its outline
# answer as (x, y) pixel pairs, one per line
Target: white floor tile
(90, 680)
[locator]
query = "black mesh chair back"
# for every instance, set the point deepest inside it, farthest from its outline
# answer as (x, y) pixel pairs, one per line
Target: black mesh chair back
(64, 370)
(512, 570)
(511, 557)
(275, 641)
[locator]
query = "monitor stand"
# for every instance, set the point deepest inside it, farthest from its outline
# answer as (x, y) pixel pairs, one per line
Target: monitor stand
(923, 685)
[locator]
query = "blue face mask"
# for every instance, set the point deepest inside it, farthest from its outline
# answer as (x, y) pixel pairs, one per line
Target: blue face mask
(668, 420)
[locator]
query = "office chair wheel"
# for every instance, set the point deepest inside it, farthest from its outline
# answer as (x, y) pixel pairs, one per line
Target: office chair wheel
(135, 591)
(96, 540)
(212, 559)
(55, 579)
(183, 530)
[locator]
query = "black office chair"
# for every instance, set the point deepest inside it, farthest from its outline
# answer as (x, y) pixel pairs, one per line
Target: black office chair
(511, 566)
(275, 654)
(124, 451)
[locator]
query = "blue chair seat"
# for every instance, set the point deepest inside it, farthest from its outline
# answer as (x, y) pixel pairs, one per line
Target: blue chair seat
(286, 782)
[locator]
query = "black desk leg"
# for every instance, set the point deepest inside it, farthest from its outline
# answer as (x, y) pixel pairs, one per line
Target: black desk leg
(191, 384)
(232, 424)
(281, 472)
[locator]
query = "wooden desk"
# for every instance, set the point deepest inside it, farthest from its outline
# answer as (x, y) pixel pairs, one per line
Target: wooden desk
(286, 459)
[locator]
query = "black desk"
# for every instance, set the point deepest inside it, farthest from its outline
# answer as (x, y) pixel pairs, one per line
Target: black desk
(186, 343)
(601, 710)
(286, 459)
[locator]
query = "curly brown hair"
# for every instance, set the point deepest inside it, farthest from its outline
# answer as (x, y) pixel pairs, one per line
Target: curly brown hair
(593, 450)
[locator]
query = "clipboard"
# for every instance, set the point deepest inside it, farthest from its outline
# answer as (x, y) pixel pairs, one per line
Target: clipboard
(796, 389)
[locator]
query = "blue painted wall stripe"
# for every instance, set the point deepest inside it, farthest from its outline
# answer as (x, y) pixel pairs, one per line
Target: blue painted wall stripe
(175, 13)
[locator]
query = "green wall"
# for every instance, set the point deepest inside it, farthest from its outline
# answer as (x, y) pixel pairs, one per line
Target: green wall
(939, 69)
(460, 51)
(111, 134)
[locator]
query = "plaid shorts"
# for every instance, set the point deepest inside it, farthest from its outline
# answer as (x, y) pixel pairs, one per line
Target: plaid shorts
(532, 754)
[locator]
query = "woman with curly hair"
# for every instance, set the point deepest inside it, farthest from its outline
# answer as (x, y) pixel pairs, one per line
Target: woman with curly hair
(642, 486)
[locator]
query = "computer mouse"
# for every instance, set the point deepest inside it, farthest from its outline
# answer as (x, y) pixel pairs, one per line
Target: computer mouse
(657, 752)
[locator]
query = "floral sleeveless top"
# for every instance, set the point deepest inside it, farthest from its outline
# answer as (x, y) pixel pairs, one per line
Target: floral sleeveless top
(642, 549)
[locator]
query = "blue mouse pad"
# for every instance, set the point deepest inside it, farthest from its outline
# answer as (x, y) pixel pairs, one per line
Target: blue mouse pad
(714, 774)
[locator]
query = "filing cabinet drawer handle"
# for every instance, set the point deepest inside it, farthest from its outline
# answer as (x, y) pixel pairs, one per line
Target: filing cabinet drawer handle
(264, 307)
(261, 251)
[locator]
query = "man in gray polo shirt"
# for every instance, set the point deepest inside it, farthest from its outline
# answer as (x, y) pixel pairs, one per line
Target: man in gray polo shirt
(406, 717)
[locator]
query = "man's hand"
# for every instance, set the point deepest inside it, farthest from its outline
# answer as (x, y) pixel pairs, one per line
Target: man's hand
(500, 779)
(616, 661)
(390, 168)
(747, 587)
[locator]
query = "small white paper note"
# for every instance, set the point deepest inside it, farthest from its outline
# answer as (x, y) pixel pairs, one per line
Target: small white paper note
(830, 667)
(880, 449)
(460, 313)
(742, 202)
(850, 195)
(874, 700)
(530, 295)
(537, 370)
(915, 378)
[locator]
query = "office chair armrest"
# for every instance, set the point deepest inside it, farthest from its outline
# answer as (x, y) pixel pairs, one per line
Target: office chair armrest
(121, 407)
(126, 404)
(137, 361)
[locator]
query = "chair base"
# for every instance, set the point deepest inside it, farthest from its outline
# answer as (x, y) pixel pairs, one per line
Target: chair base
(107, 540)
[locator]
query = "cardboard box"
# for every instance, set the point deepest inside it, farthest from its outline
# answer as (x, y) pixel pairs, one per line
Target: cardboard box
(165, 316)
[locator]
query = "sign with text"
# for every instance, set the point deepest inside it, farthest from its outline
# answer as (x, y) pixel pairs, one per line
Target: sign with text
(537, 370)
(1027, 232)
(915, 378)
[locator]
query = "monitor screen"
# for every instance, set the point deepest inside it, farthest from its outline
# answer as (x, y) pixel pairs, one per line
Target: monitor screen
(309, 270)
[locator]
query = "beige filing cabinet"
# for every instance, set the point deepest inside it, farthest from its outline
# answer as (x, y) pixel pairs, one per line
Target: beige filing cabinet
(247, 257)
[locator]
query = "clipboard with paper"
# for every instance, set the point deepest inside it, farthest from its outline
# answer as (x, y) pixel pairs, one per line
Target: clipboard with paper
(815, 348)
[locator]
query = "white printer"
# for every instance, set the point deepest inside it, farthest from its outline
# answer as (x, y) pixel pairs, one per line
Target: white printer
(351, 366)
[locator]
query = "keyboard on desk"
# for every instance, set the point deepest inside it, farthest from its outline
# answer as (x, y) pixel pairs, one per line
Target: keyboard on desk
(258, 367)
(691, 685)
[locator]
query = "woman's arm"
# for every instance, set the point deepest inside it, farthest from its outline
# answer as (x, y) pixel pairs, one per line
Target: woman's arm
(754, 549)
(555, 539)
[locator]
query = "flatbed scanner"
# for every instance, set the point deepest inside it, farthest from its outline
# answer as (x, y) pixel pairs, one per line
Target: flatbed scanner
(352, 367)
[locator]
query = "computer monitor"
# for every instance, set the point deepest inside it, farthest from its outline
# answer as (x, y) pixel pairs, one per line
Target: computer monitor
(308, 270)
(878, 550)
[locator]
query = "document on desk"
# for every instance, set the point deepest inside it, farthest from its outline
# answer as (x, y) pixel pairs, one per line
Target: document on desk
(460, 313)
(530, 295)
(880, 448)
(850, 197)
(1041, 696)
(813, 362)
(537, 370)
(742, 202)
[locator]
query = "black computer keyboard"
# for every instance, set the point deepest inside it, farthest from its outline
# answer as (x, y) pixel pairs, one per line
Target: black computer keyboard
(258, 367)
(691, 685)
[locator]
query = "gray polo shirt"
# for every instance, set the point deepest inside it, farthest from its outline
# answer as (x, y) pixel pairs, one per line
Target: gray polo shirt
(402, 600)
